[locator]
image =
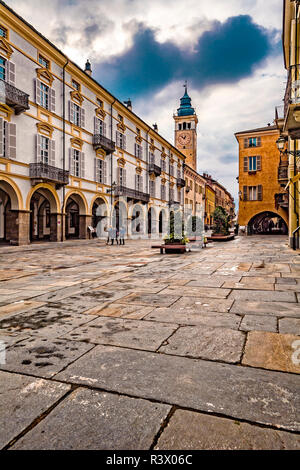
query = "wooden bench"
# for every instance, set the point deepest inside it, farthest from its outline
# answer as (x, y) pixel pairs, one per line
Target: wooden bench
(170, 248)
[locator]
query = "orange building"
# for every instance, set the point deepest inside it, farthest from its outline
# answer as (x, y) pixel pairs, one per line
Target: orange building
(263, 206)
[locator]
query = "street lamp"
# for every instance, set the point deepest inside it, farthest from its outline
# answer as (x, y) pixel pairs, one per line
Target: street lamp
(113, 188)
(281, 144)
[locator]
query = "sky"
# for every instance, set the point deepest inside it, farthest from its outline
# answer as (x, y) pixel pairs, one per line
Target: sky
(229, 51)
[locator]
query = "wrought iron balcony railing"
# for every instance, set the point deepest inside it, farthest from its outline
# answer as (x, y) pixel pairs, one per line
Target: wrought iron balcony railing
(292, 92)
(283, 172)
(122, 191)
(42, 171)
(181, 182)
(154, 169)
(14, 97)
(102, 142)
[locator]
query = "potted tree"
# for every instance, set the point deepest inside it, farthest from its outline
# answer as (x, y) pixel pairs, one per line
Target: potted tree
(221, 225)
(171, 239)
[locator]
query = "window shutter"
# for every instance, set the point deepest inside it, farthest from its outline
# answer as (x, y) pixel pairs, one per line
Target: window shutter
(245, 192)
(96, 126)
(52, 152)
(82, 165)
(38, 156)
(71, 162)
(260, 193)
(12, 140)
(37, 86)
(135, 150)
(52, 100)
(124, 177)
(71, 112)
(124, 142)
(141, 152)
(141, 184)
(104, 173)
(258, 141)
(1, 137)
(96, 170)
(118, 176)
(136, 182)
(104, 129)
(11, 73)
(82, 117)
(118, 139)
(258, 163)
(246, 143)
(246, 164)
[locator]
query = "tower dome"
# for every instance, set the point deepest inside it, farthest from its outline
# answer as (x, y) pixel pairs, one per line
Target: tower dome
(186, 108)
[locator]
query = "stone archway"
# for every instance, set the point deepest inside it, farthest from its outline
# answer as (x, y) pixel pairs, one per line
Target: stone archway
(44, 210)
(267, 223)
(76, 219)
(137, 221)
(14, 220)
(100, 219)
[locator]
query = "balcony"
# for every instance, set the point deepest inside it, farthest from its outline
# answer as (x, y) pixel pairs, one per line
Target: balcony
(41, 172)
(292, 103)
(154, 169)
(172, 202)
(180, 183)
(282, 200)
(14, 98)
(103, 143)
(187, 189)
(122, 191)
(283, 172)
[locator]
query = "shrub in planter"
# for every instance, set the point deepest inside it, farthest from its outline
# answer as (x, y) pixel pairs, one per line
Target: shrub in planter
(221, 222)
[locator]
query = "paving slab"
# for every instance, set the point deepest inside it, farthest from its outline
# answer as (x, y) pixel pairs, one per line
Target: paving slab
(116, 310)
(42, 357)
(249, 286)
(290, 326)
(183, 317)
(211, 281)
(273, 351)
(22, 400)
(126, 333)
(263, 296)
(214, 344)
(150, 299)
(278, 309)
(286, 281)
(188, 430)
(187, 291)
(259, 323)
(97, 421)
(197, 304)
(260, 396)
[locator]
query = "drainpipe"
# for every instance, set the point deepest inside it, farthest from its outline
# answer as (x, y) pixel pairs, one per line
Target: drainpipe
(64, 148)
(296, 244)
(111, 162)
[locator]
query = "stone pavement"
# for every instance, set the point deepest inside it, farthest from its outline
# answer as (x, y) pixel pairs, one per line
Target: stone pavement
(123, 348)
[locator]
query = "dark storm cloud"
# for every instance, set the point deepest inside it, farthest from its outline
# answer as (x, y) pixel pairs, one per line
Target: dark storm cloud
(228, 52)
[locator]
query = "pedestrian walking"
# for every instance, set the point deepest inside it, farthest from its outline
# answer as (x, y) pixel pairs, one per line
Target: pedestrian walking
(122, 235)
(109, 233)
(113, 235)
(117, 236)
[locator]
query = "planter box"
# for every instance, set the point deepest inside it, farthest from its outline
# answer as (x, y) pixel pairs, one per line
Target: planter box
(221, 238)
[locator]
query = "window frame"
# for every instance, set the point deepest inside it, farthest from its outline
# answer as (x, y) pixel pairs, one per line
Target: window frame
(45, 150)
(4, 68)
(44, 62)
(251, 161)
(45, 96)
(76, 162)
(5, 30)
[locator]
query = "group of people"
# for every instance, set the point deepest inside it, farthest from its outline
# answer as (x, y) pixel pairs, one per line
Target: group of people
(117, 235)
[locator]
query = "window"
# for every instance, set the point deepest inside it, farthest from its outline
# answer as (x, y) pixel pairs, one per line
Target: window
(138, 151)
(163, 164)
(44, 62)
(2, 68)
(138, 131)
(163, 192)
(44, 150)
(252, 164)
(120, 118)
(252, 193)
(139, 183)
(76, 157)
(122, 177)
(152, 188)
(76, 85)
(76, 117)
(44, 95)
(180, 126)
(121, 140)
(253, 142)
(152, 158)
(3, 32)
(172, 170)
(100, 103)
(101, 171)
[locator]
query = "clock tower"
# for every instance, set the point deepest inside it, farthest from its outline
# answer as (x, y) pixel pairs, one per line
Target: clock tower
(186, 130)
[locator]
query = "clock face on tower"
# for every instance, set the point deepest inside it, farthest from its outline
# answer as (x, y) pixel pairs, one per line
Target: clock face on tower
(184, 138)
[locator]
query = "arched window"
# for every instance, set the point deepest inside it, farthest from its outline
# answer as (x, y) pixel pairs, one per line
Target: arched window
(184, 125)
(180, 127)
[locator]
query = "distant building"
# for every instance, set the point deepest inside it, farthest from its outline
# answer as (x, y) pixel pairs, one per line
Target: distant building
(262, 178)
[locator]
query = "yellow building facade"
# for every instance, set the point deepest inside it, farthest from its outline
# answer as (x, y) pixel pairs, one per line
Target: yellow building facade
(289, 125)
(262, 178)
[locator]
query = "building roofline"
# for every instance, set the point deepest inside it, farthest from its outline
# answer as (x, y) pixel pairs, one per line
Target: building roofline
(88, 76)
(259, 129)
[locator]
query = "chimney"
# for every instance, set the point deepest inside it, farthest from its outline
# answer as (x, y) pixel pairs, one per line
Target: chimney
(155, 127)
(128, 104)
(88, 68)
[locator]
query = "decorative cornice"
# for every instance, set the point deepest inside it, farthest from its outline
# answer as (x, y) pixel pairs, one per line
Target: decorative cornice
(163, 155)
(121, 126)
(121, 162)
(77, 143)
(45, 75)
(6, 111)
(138, 139)
(76, 96)
(152, 148)
(152, 177)
(45, 129)
(5, 47)
(139, 170)
(163, 181)
(100, 112)
(101, 154)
